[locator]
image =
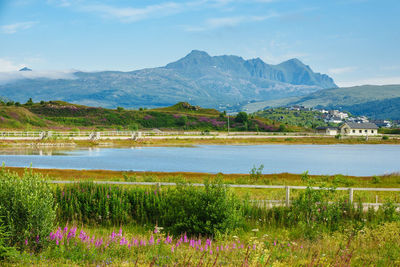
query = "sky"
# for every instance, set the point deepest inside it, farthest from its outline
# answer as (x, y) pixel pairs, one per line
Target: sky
(354, 41)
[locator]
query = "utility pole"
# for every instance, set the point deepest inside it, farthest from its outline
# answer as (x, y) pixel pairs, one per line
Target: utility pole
(228, 122)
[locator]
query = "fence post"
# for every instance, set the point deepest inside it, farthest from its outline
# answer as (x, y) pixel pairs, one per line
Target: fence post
(351, 195)
(287, 196)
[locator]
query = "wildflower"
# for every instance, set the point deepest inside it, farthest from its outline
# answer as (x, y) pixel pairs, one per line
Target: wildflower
(172, 249)
(151, 241)
(254, 230)
(211, 252)
(26, 242)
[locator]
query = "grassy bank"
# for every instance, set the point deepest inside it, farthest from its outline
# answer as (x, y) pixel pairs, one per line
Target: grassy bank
(181, 141)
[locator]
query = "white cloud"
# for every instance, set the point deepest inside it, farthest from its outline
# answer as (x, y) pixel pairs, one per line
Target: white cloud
(9, 71)
(342, 70)
(132, 14)
(370, 81)
(214, 23)
(129, 14)
(13, 28)
(7, 65)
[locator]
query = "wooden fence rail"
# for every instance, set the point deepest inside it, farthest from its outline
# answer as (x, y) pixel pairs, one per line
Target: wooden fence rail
(287, 188)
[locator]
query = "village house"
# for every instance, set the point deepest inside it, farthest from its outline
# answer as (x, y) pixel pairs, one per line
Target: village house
(359, 129)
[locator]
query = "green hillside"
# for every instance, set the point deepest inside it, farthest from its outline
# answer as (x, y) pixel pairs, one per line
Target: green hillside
(182, 116)
(371, 100)
(12, 117)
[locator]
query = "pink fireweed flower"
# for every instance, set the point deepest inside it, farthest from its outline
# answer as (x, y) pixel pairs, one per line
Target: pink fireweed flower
(151, 241)
(217, 249)
(123, 241)
(26, 242)
(185, 239)
(254, 246)
(211, 252)
(113, 235)
(120, 232)
(71, 233)
(158, 241)
(172, 249)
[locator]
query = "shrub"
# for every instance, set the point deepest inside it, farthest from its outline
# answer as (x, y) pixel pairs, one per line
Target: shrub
(255, 173)
(5, 250)
(27, 209)
(206, 210)
(385, 137)
(242, 117)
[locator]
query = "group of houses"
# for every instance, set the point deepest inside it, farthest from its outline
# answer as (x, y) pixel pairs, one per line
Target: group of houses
(351, 129)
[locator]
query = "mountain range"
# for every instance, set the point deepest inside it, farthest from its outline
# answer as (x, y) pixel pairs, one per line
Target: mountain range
(221, 82)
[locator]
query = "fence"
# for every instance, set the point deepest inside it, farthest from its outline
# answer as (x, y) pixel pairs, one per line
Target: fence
(271, 202)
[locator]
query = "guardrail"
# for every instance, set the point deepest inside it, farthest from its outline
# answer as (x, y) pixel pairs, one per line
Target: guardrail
(287, 188)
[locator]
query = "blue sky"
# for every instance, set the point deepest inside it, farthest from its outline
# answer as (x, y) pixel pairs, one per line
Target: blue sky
(354, 41)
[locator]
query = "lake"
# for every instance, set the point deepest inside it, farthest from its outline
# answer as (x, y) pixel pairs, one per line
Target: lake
(359, 160)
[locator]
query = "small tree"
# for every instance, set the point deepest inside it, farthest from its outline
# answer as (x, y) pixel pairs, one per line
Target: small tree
(242, 117)
(29, 102)
(255, 173)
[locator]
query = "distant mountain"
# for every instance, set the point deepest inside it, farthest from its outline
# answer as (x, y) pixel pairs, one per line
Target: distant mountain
(378, 102)
(210, 81)
(25, 69)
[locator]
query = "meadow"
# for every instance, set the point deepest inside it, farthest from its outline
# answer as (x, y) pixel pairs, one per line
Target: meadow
(100, 225)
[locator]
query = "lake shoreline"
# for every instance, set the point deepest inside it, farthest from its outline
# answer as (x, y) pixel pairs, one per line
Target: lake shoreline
(206, 140)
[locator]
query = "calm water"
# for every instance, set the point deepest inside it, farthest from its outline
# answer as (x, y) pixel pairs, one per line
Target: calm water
(317, 159)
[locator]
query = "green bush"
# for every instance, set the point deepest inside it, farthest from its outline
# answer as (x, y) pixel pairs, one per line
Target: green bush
(27, 208)
(6, 251)
(194, 210)
(207, 210)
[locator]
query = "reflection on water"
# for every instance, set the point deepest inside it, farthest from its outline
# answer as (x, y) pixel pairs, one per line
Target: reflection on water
(357, 160)
(34, 151)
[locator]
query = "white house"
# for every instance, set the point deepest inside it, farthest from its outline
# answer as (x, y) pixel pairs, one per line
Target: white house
(359, 129)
